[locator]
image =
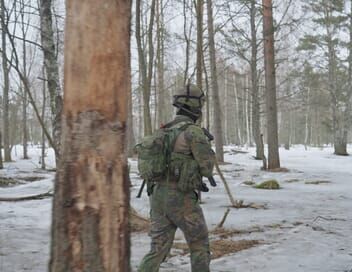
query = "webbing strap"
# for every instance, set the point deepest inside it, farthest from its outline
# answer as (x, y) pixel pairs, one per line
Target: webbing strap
(169, 148)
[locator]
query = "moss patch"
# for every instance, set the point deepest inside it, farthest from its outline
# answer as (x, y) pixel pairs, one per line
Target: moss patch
(6, 182)
(271, 184)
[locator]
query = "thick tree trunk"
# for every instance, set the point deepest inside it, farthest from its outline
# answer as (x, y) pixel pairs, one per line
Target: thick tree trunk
(215, 86)
(90, 213)
(6, 84)
(52, 69)
(270, 85)
(340, 142)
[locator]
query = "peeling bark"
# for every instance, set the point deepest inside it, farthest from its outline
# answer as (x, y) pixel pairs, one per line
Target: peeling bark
(90, 229)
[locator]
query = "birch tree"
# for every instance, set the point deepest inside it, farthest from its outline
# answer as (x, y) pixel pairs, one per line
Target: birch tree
(51, 68)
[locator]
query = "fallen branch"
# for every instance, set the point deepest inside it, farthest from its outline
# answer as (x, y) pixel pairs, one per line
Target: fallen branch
(328, 218)
(220, 225)
(227, 188)
(25, 198)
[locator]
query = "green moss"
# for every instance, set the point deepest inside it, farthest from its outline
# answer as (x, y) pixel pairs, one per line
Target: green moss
(271, 184)
(4, 182)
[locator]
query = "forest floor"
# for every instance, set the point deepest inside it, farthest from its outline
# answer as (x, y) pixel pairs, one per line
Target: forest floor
(305, 226)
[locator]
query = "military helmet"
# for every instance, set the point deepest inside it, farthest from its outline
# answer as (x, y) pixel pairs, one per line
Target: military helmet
(192, 98)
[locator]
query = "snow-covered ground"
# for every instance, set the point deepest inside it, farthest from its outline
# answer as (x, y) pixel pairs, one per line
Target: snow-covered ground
(305, 228)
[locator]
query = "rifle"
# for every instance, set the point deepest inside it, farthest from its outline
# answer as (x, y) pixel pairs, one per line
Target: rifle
(141, 189)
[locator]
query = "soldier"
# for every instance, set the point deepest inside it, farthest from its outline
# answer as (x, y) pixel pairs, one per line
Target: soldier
(174, 201)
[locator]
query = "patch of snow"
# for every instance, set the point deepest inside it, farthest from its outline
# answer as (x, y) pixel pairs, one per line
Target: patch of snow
(305, 228)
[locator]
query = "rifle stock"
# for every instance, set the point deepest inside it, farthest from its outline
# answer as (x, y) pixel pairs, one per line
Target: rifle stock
(141, 189)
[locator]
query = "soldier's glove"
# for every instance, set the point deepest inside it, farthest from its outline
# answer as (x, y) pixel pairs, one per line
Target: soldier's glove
(203, 187)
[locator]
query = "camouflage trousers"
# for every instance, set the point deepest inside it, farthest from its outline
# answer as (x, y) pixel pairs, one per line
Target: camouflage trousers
(172, 209)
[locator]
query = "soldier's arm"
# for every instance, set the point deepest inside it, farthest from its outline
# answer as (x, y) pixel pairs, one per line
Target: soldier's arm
(201, 150)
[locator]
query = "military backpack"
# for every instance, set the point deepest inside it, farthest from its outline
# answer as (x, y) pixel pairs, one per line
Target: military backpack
(154, 151)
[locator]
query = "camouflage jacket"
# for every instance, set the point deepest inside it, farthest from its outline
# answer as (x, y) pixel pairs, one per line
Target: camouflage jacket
(194, 142)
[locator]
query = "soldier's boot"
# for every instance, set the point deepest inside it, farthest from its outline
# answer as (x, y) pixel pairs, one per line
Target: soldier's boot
(162, 238)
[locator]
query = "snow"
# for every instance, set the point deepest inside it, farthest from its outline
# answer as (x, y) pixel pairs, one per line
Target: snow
(306, 227)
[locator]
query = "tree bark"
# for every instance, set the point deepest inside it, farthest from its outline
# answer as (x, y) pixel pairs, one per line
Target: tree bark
(90, 212)
(43, 164)
(131, 140)
(199, 11)
(215, 86)
(254, 83)
(25, 72)
(1, 164)
(6, 88)
(145, 69)
(162, 116)
(270, 86)
(52, 69)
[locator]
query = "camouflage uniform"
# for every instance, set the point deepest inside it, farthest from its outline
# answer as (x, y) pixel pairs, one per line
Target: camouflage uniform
(172, 208)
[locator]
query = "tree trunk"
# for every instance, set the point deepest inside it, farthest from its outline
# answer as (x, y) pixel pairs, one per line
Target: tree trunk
(91, 202)
(162, 116)
(52, 69)
(24, 124)
(131, 140)
(270, 86)
(307, 114)
(199, 11)
(237, 112)
(43, 118)
(6, 88)
(254, 84)
(145, 69)
(25, 73)
(1, 164)
(215, 87)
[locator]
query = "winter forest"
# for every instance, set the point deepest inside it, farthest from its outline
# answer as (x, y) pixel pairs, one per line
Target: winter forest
(83, 82)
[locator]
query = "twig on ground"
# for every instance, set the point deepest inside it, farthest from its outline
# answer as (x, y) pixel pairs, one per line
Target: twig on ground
(220, 225)
(328, 218)
(25, 198)
(227, 188)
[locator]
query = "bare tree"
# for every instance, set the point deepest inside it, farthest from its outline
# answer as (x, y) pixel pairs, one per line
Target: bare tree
(199, 11)
(6, 72)
(270, 86)
(215, 86)
(91, 202)
(52, 68)
(145, 67)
